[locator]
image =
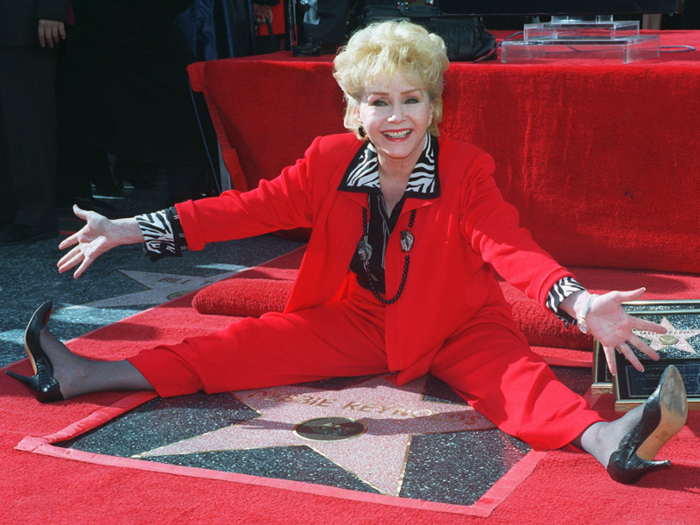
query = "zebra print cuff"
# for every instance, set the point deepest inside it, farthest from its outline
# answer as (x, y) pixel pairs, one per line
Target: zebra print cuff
(163, 234)
(562, 289)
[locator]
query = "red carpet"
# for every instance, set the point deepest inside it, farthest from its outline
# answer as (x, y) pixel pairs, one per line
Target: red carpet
(517, 467)
(565, 487)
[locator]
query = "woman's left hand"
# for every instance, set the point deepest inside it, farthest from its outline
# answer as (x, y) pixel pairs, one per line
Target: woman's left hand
(612, 326)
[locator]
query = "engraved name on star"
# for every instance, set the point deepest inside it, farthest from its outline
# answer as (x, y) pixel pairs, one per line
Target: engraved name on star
(366, 429)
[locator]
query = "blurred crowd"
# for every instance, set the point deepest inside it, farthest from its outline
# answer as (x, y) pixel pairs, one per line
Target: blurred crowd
(94, 94)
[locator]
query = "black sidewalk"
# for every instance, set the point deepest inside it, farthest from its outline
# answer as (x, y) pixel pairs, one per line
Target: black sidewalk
(119, 284)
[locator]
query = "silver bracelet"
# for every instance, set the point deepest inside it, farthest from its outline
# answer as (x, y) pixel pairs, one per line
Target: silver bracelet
(581, 320)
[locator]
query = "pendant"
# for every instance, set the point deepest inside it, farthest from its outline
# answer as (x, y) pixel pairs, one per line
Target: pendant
(406, 240)
(364, 250)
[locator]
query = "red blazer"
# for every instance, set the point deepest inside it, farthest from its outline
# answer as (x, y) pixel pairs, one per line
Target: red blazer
(460, 238)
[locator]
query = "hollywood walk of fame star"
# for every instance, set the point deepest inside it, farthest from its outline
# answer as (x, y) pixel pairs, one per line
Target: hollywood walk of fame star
(162, 287)
(674, 338)
(366, 430)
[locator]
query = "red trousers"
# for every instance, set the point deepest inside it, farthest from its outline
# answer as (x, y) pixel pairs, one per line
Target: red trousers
(493, 369)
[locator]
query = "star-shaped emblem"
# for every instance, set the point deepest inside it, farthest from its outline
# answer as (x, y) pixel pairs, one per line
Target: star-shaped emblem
(673, 338)
(366, 430)
(162, 287)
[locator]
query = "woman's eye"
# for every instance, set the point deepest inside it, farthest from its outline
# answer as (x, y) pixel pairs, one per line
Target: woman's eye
(412, 100)
(378, 103)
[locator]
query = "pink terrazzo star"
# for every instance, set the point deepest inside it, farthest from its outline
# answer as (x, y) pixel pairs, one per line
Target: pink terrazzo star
(659, 341)
(388, 416)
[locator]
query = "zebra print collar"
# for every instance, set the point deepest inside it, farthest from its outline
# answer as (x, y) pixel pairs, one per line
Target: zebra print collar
(362, 175)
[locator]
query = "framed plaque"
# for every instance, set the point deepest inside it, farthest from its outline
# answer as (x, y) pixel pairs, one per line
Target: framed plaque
(602, 378)
(680, 346)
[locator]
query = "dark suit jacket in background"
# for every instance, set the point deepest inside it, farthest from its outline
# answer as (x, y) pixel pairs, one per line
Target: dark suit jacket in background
(19, 19)
(125, 88)
(28, 113)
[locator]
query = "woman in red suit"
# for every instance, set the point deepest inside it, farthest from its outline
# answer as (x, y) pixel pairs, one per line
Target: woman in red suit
(398, 278)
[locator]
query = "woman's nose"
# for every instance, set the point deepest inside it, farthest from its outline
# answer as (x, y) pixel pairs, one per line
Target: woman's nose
(397, 114)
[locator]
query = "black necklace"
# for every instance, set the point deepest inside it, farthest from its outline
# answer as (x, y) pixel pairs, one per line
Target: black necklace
(364, 250)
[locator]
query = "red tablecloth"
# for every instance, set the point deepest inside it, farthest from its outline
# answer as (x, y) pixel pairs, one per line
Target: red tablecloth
(602, 160)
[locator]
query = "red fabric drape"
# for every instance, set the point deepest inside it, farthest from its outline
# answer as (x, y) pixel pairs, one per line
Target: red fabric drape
(601, 160)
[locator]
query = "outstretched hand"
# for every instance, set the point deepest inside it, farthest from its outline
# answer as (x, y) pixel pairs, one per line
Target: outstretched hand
(612, 326)
(98, 236)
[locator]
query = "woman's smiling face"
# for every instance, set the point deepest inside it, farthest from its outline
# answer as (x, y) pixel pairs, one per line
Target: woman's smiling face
(396, 114)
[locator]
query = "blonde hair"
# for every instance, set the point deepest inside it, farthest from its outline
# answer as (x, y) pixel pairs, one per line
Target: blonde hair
(389, 49)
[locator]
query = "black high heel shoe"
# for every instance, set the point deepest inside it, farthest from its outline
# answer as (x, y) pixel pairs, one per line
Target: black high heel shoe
(43, 384)
(664, 415)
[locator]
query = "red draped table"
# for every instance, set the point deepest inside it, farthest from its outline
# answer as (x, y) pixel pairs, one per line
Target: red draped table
(602, 160)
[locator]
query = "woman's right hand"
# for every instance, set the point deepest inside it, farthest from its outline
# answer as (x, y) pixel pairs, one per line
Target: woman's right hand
(98, 236)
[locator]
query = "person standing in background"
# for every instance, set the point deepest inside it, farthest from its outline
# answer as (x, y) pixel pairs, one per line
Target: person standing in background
(218, 29)
(30, 31)
(124, 90)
